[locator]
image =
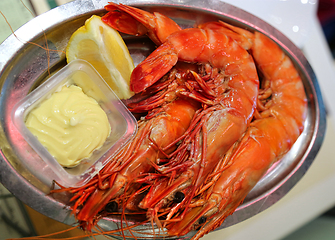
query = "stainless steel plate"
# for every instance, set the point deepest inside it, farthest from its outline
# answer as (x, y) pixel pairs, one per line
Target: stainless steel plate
(24, 65)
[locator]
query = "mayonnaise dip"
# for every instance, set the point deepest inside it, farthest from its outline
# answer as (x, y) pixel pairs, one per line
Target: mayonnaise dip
(70, 124)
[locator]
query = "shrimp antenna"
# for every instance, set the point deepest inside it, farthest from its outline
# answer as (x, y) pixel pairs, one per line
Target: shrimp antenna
(23, 41)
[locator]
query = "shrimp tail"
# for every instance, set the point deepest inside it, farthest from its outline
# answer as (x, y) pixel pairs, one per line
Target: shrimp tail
(155, 66)
(124, 23)
(138, 22)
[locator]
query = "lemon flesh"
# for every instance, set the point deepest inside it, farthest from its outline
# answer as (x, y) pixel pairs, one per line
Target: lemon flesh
(104, 48)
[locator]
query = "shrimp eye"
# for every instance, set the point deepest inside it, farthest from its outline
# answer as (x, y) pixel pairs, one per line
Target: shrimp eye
(202, 220)
(111, 207)
(178, 197)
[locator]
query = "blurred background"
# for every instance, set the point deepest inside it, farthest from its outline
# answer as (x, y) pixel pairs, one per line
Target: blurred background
(326, 15)
(307, 211)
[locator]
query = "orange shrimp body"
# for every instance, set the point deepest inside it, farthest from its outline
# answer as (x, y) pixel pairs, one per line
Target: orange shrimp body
(190, 45)
(135, 160)
(279, 125)
(243, 37)
(219, 126)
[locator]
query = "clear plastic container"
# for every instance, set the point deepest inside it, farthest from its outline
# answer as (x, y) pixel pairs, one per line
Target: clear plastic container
(123, 123)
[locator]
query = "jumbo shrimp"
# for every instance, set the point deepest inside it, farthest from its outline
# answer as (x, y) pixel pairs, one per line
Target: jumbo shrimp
(280, 121)
(136, 159)
(232, 86)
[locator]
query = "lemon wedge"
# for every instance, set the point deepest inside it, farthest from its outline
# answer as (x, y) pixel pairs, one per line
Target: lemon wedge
(104, 48)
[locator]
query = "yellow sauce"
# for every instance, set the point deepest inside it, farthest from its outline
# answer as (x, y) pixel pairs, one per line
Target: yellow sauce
(70, 125)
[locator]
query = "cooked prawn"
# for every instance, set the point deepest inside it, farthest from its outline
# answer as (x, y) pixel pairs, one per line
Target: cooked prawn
(134, 161)
(233, 85)
(267, 139)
